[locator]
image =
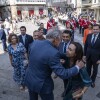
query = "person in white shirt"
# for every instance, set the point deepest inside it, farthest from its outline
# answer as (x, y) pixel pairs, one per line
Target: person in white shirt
(7, 26)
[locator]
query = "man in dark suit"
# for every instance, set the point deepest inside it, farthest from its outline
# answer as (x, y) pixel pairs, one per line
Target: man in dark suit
(66, 40)
(44, 29)
(43, 59)
(24, 38)
(40, 35)
(92, 52)
(3, 38)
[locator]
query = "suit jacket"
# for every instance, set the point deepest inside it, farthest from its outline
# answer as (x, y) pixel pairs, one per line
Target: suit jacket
(2, 34)
(43, 59)
(45, 31)
(92, 52)
(62, 55)
(28, 40)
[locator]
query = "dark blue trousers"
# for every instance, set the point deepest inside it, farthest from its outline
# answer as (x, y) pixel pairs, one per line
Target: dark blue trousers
(4, 44)
(34, 96)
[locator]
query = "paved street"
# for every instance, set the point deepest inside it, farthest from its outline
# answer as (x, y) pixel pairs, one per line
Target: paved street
(9, 89)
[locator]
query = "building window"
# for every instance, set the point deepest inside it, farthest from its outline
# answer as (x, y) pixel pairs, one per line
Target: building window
(95, 1)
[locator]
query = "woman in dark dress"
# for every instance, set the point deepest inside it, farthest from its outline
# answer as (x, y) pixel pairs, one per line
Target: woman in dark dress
(78, 84)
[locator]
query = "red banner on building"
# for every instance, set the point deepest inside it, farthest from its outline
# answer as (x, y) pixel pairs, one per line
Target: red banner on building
(18, 12)
(31, 12)
(41, 11)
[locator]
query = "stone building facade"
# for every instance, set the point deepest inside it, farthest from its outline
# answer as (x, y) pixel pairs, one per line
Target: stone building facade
(89, 6)
(24, 8)
(4, 9)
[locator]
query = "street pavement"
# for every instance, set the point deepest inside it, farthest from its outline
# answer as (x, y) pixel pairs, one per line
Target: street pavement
(9, 89)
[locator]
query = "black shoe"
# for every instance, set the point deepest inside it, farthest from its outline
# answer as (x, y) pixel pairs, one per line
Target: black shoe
(93, 85)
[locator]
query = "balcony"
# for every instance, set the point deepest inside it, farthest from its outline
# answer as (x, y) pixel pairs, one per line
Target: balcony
(4, 2)
(59, 1)
(96, 4)
(86, 3)
(34, 2)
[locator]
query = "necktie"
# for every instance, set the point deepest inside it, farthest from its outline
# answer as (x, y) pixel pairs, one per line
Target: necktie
(93, 40)
(64, 49)
(23, 39)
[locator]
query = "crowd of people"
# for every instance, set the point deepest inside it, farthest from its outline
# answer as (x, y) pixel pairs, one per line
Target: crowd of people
(34, 58)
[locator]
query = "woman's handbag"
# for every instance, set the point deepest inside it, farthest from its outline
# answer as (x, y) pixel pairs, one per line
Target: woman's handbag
(25, 62)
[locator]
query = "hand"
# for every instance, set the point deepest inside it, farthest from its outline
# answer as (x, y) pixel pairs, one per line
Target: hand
(84, 58)
(77, 96)
(80, 64)
(62, 61)
(98, 62)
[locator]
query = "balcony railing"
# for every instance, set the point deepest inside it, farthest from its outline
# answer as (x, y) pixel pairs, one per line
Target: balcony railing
(54, 1)
(31, 2)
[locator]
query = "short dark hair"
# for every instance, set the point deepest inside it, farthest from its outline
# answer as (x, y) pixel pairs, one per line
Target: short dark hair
(23, 27)
(10, 37)
(78, 51)
(96, 25)
(67, 32)
(41, 23)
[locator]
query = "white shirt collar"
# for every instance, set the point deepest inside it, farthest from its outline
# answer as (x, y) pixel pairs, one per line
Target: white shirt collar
(95, 37)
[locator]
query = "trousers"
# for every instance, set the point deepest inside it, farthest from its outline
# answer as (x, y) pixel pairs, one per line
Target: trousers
(34, 96)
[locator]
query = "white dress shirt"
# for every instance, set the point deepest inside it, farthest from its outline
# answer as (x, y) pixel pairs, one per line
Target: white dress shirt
(95, 37)
(23, 37)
